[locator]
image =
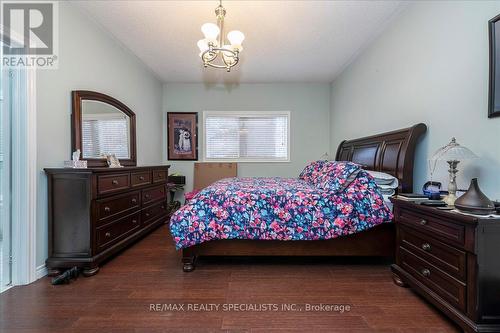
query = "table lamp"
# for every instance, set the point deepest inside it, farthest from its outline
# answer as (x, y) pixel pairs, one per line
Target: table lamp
(452, 153)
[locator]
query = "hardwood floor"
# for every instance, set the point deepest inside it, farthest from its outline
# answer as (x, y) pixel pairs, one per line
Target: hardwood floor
(119, 297)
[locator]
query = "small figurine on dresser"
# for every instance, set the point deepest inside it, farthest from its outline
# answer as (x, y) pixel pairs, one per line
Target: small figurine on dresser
(75, 162)
(113, 161)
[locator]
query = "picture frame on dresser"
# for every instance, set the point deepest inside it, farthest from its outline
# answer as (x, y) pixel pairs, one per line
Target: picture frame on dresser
(182, 136)
(494, 70)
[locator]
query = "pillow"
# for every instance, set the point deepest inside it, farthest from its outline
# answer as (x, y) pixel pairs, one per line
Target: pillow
(312, 170)
(336, 176)
(382, 178)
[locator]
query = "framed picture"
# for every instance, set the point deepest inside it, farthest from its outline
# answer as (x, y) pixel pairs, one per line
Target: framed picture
(182, 136)
(494, 91)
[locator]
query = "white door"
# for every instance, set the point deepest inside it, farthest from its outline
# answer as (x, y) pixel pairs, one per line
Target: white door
(5, 180)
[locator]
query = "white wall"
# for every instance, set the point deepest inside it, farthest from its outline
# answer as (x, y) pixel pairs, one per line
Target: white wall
(431, 66)
(90, 59)
(309, 105)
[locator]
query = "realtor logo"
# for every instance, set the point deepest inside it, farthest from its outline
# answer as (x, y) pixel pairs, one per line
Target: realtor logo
(29, 34)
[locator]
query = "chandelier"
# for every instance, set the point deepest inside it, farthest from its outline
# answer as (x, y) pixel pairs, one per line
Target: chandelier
(214, 51)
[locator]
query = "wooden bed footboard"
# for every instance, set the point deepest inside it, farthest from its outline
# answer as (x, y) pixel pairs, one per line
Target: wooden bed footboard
(376, 242)
(391, 152)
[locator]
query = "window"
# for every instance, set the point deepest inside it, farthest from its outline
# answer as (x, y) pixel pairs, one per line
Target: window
(247, 136)
(103, 134)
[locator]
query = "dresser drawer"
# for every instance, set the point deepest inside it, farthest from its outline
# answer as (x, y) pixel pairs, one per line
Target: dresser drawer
(140, 178)
(153, 194)
(117, 205)
(154, 212)
(118, 230)
(160, 176)
(441, 255)
(434, 226)
(113, 183)
(449, 288)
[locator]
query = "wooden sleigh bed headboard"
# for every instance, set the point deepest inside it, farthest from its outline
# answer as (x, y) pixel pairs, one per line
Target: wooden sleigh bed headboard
(391, 152)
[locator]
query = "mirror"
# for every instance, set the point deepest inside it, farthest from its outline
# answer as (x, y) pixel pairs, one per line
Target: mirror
(494, 89)
(102, 125)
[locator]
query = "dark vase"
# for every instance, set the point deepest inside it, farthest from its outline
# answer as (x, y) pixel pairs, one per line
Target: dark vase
(474, 201)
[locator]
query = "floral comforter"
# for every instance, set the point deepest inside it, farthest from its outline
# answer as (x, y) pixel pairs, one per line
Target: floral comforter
(280, 209)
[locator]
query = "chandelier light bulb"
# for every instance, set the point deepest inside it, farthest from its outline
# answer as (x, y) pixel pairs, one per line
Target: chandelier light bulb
(235, 37)
(210, 30)
(202, 45)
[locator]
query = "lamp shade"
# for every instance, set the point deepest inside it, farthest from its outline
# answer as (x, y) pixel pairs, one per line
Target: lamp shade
(453, 152)
(210, 30)
(235, 37)
(203, 45)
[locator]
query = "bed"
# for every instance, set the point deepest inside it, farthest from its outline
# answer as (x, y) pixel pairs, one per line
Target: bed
(293, 200)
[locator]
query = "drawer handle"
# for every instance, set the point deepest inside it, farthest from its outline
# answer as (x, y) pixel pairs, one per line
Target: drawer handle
(134, 200)
(147, 196)
(141, 178)
(160, 175)
(426, 247)
(108, 234)
(425, 272)
(114, 182)
(423, 222)
(134, 221)
(147, 214)
(162, 206)
(107, 209)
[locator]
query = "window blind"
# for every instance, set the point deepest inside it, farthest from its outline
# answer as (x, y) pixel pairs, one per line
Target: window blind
(105, 136)
(256, 137)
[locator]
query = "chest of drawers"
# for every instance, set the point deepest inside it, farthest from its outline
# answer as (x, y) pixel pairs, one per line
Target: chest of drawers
(452, 260)
(94, 213)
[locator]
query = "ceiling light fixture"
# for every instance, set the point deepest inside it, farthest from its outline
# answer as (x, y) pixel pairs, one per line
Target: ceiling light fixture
(214, 51)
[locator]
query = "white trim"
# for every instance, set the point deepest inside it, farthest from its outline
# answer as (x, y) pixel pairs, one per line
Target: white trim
(41, 271)
(5, 288)
(24, 270)
(24, 181)
(206, 113)
(31, 170)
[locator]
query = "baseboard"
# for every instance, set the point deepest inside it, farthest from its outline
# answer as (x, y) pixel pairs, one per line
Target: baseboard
(41, 271)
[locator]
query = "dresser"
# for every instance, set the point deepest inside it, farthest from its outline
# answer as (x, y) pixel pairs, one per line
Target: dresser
(452, 260)
(94, 213)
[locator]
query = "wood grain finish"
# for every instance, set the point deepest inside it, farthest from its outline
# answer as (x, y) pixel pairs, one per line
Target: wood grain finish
(449, 288)
(159, 176)
(451, 259)
(117, 205)
(140, 178)
(118, 298)
(390, 152)
(96, 212)
(113, 183)
(441, 255)
(153, 194)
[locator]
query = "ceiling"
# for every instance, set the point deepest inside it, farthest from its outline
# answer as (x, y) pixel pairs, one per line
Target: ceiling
(286, 41)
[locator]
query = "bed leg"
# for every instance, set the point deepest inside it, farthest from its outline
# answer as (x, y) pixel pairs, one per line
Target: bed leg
(188, 262)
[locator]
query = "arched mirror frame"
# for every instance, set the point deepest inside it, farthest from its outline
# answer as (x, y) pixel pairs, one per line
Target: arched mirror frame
(76, 126)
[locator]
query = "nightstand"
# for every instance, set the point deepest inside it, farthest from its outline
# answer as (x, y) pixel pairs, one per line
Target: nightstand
(452, 260)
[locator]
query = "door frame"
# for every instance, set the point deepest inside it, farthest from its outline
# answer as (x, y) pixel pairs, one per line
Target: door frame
(24, 178)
